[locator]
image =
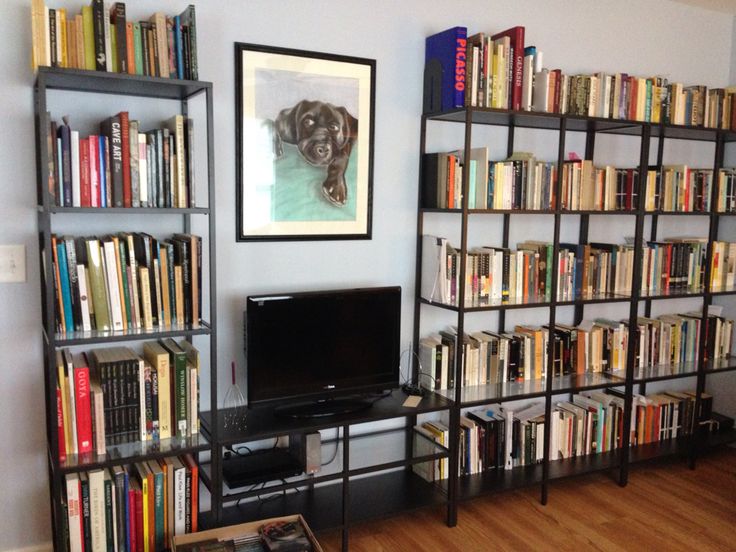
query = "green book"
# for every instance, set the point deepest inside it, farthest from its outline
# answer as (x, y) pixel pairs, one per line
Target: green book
(124, 274)
(178, 362)
(109, 534)
(158, 503)
(97, 285)
(550, 267)
(137, 48)
(89, 38)
(114, 47)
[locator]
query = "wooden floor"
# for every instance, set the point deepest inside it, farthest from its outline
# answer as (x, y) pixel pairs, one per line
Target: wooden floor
(664, 507)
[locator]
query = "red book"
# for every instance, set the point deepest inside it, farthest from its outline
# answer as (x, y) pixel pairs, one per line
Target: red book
(60, 425)
(94, 170)
(633, 96)
(125, 139)
(82, 404)
(132, 521)
(139, 519)
(84, 189)
(451, 182)
(516, 35)
(130, 46)
(558, 85)
(189, 462)
(629, 189)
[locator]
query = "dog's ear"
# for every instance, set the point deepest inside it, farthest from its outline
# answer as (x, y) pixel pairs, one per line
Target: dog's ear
(350, 123)
(286, 124)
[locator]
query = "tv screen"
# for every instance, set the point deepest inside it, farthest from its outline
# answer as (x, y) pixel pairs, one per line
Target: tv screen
(322, 344)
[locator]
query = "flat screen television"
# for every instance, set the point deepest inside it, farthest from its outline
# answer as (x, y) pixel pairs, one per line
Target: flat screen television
(307, 352)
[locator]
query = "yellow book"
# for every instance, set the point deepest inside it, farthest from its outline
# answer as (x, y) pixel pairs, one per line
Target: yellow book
(71, 48)
(166, 300)
(179, 290)
(147, 315)
(142, 470)
(79, 41)
(64, 388)
(89, 38)
(61, 33)
(40, 53)
(158, 358)
(119, 267)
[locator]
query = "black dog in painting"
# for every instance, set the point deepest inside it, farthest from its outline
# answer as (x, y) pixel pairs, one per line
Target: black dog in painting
(324, 135)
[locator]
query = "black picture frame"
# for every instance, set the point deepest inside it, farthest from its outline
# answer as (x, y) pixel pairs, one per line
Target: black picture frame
(304, 144)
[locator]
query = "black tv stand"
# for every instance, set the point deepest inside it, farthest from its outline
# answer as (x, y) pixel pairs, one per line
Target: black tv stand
(322, 409)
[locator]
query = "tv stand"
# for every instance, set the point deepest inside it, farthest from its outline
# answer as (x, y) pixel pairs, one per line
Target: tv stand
(322, 409)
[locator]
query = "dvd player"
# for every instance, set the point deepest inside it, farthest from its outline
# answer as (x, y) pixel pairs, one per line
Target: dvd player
(259, 466)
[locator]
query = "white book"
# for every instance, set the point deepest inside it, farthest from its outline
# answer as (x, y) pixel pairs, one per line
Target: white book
(113, 291)
(108, 39)
(97, 510)
(113, 493)
(192, 394)
(541, 91)
(84, 297)
(74, 512)
(526, 85)
(69, 369)
(142, 397)
(509, 438)
(142, 170)
(76, 197)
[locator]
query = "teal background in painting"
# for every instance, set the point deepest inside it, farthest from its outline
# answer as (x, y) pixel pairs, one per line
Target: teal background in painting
(297, 191)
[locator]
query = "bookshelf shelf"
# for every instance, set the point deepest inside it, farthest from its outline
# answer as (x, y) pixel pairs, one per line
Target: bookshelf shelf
(126, 210)
(499, 304)
(134, 451)
(99, 336)
(102, 82)
(48, 81)
(370, 498)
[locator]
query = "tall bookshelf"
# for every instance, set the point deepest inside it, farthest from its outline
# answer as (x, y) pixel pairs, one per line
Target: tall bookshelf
(619, 461)
(178, 93)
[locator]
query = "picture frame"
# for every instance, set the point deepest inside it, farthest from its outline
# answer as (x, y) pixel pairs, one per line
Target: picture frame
(304, 144)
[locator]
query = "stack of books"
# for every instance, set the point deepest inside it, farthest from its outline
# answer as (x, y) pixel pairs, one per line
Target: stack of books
(678, 188)
(500, 71)
(589, 188)
(723, 266)
(112, 396)
(673, 266)
(103, 38)
(593, 346)
(140, 506)
(126, 281)
(123, 166)
(725, 201)
(496, 274)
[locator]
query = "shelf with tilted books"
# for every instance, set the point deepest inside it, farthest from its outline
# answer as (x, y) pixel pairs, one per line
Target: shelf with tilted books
(194, 322)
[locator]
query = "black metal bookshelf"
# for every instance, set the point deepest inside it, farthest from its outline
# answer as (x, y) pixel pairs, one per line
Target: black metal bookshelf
(181, 92)
(616, 461)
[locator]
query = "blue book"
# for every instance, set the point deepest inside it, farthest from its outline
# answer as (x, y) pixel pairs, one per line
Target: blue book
(103, 170)
(66, 292)
(178, 47)
(445, 68)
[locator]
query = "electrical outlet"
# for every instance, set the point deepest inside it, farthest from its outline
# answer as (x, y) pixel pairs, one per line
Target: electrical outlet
(12, 263)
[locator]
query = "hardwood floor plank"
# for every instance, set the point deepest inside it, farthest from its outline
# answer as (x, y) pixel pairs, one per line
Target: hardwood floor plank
(665, 506)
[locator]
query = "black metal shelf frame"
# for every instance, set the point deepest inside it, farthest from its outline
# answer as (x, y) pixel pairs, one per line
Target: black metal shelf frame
(460, 488)
(94, 82)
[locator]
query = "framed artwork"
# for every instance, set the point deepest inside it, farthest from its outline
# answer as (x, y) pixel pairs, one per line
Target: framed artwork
(304, 157)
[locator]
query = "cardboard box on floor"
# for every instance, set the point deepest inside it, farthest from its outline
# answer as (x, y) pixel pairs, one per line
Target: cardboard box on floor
(233, 531)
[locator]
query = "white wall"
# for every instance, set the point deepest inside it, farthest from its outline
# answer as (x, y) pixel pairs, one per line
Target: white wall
(653, 37)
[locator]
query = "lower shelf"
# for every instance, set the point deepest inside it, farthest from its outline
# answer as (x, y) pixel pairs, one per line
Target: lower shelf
(370, 497)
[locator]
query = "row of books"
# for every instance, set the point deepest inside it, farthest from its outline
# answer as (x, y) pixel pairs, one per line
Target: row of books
(103, 38)
(138, 507)
(507, 436)
(500, 71)
(593, 346)
(123, 166)
(126, 281)
(502, 274)
(523, 182)
(113, 396)
(675, 265)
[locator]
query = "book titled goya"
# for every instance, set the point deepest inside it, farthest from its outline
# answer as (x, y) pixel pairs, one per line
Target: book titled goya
(445, 69)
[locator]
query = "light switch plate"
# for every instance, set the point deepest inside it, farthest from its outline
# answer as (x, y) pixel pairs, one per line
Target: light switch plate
(12, 263)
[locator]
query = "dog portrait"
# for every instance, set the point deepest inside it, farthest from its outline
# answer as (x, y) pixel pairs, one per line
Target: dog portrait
(304, 144)
(324, 135)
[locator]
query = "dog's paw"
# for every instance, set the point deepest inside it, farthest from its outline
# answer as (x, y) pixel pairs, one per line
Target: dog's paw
(336, 192)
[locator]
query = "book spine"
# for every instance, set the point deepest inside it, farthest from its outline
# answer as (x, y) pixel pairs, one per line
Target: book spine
(99, 25)
(125, 157)
(121, 36)
(138, 49)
